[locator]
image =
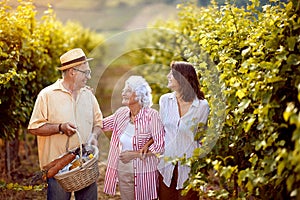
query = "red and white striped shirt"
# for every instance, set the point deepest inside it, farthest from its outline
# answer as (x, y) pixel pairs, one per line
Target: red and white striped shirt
(147, 124)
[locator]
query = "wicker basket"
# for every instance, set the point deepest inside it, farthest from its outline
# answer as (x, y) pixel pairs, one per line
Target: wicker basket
(82, 176)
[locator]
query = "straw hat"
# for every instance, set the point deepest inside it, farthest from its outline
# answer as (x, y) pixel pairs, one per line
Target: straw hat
(73, 58)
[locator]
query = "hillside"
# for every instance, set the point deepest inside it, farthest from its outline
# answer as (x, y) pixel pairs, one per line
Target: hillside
(106, 16)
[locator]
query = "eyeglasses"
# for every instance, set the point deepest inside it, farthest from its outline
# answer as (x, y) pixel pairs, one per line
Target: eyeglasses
(86, 72)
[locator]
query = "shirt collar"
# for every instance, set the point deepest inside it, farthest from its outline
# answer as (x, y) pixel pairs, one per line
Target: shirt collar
(173, 95)
(196, 101)
(140, 114)
(59, 86)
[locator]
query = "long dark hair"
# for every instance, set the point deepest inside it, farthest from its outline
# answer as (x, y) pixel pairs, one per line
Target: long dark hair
(185, 74)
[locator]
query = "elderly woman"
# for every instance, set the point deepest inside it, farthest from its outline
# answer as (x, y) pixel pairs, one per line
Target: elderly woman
(132, 126)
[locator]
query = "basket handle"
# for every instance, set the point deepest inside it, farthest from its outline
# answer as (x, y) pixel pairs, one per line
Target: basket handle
(80, 146)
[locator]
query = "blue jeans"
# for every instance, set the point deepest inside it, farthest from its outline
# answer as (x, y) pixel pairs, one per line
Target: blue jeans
(56, 192)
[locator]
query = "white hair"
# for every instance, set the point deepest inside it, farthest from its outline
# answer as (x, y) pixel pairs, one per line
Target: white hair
(142, 90)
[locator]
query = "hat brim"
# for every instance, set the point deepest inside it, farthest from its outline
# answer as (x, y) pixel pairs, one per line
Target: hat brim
(74, 64)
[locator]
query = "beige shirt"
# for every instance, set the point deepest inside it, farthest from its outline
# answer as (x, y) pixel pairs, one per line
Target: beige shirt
(55, 104)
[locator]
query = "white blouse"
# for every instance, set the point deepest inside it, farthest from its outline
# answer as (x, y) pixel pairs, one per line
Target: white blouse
(126, 142)
(180, 132)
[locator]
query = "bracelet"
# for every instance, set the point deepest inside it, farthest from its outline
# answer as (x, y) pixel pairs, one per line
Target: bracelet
(59, 129)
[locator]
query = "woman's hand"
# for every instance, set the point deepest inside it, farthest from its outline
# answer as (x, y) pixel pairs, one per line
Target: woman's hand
(143, 151)
(127, 156)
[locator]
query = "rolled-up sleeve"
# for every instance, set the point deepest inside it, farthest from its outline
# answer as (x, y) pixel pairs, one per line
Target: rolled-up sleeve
(98, 117)
(108, 123)
(158, 134)
(39, 113)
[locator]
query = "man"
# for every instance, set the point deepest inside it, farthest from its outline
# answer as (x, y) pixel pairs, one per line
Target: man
(60, 110)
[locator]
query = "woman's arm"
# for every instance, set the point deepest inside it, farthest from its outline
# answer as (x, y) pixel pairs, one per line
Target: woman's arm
(127, 156)
(143, 151)
(158, 134)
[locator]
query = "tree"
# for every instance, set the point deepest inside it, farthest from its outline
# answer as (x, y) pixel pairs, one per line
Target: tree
(29, 54)
(256, 52)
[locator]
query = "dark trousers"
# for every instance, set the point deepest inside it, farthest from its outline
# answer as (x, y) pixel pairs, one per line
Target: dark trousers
(56, 192)
(166, 193)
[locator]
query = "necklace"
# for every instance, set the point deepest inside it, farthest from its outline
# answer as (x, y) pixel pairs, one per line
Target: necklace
(132, 118)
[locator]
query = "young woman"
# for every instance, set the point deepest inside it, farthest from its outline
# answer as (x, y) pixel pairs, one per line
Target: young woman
(181, 111)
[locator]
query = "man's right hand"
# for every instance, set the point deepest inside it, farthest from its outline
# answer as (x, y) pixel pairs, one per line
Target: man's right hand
(68, 129)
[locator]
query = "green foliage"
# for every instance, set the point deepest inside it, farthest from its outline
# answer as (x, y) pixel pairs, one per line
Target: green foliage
(17, 187)
(256, 52)
(288, 158)
(240, 3)
(154, 68)
(29, 54)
